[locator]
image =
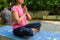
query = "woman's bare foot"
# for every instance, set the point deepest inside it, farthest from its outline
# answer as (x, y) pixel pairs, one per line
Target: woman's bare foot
(25, 36)
(34, 30)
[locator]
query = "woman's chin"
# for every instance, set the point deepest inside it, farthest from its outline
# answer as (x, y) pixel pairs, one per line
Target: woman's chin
(21, 3)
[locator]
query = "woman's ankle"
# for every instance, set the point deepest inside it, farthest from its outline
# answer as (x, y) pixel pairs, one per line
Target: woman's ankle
(38, 30)
(25, 36)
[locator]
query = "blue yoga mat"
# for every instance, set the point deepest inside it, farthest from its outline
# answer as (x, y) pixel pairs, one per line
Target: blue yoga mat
(6, 31)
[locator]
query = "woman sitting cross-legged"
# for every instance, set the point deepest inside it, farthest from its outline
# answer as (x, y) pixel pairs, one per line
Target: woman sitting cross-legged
(20, 16)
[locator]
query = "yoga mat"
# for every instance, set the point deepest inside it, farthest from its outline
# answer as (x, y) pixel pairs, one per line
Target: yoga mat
(6, 31)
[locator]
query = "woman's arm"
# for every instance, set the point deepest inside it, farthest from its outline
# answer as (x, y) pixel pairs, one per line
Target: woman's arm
(28, 16)
(16, 17)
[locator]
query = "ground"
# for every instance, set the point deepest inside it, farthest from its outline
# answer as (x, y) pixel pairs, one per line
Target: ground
(51, 26)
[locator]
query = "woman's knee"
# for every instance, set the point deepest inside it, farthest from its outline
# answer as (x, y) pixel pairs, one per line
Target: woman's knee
(38, 23)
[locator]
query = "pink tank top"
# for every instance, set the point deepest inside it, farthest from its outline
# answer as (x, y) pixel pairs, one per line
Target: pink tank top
(20, 13)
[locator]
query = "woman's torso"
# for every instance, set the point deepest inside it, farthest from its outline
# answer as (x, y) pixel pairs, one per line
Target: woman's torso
(20, 13)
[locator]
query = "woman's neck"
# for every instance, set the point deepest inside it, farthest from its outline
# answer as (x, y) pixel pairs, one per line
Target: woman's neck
(19, 5)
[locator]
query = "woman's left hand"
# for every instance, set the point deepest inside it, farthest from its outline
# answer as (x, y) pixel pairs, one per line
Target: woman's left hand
(25, 9)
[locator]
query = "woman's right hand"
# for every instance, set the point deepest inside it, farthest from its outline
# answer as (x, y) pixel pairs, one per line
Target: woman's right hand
(25, 9)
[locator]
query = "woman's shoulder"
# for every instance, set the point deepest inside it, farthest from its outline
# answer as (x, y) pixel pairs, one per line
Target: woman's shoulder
(13, 7)
(16, 7)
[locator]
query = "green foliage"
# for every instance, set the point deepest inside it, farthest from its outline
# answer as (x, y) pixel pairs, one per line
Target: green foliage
(5, 4)
(35, 5)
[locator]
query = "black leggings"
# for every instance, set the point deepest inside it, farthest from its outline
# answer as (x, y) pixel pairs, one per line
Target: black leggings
(26, 30)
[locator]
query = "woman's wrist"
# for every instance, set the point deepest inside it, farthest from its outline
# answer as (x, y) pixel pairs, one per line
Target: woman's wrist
(24, 13)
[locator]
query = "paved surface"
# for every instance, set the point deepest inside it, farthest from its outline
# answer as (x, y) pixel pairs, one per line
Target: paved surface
(52, 26)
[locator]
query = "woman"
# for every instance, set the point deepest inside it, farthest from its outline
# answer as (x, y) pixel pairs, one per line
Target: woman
(20, 16)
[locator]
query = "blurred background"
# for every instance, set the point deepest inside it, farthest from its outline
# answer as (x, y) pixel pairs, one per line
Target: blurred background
(45, 11)
(38, 9)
